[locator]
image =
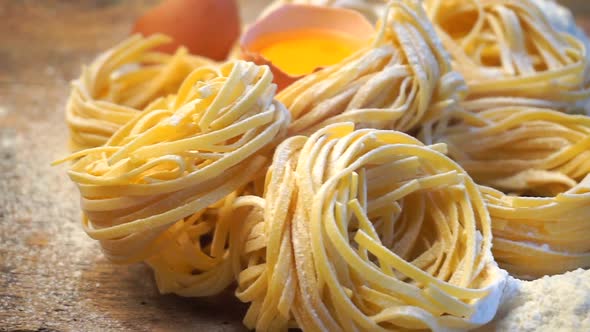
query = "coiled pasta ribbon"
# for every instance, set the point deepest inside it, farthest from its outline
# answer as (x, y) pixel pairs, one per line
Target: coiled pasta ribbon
(404, 78)
(538, 236)
(162, 187)
(367, 230)
(520, 150)
(528, 151)
(121, 82)
(510, 54)
(194, 257)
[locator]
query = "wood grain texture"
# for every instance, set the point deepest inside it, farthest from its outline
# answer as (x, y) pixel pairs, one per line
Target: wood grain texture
(52, 277)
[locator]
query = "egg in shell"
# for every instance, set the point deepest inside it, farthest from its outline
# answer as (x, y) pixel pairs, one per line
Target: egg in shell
(295, 39)
(206, 27)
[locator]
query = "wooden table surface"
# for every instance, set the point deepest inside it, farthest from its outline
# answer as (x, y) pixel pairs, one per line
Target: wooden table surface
(52, 276)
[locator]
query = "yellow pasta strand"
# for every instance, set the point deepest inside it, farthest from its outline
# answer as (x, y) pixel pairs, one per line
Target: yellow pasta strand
(510, 54)
(162, 189)
(520, 150)
(538, 236)
(541, 153)
(121, 82)
(402, 79)
(367, 230)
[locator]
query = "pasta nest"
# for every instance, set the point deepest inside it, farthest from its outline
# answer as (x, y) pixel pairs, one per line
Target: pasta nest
(162, 187)
(367, 230)
(538, 236)
(542, 155)
(510, 54)
(401, 80)
(120, 83)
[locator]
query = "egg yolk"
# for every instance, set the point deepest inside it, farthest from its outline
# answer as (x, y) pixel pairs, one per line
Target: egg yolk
(300, 52)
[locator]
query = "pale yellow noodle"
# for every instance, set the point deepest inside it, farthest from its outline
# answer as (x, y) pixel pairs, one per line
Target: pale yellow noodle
(367, 230)
(402, 79)
(539, 153)
(518, 149)
(121, 82)
(510, 54)
(162, 188)
(538, 236)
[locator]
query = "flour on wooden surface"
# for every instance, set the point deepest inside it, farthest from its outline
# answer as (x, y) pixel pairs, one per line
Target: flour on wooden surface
(557, 303)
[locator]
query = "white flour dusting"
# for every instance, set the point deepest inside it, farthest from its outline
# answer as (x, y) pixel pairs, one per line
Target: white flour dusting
(557, 303)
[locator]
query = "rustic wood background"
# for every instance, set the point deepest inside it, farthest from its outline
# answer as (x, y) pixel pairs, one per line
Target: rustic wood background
(52, 277)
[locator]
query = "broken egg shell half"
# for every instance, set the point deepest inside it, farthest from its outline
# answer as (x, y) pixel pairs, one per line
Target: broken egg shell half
(294, 17)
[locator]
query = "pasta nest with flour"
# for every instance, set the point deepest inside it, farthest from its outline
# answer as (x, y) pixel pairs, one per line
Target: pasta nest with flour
(538, 236)
(120, 83)
(510, 54)
(367, 230)
(346, 229)
(402, 79)
(160, 188)
(543, 155)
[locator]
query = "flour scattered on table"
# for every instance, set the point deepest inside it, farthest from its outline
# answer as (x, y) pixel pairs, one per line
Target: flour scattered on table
(557, 303)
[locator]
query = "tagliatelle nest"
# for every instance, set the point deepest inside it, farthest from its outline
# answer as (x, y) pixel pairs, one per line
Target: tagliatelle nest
(510, 54)
(368, 230)
(197, 255)
(403, 79)
(180, 164)
(518, 149)
(538, 236)
(527, 151)
(120, 83)
(356, 225)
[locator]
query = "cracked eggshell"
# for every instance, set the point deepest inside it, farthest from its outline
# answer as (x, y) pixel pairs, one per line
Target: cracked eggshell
(293, 17)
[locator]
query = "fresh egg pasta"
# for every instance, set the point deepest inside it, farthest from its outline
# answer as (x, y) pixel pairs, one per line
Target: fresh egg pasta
(367, 230)
(316, 200)
(404, 78)
(160, 188)
(121, 82)
(510, 54)
(196, 253)
(520, 150)
(541, 159)
(538, 236)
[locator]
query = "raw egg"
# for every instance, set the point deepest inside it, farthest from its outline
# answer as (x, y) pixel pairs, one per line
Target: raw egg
(296, 40)
(206, 27)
